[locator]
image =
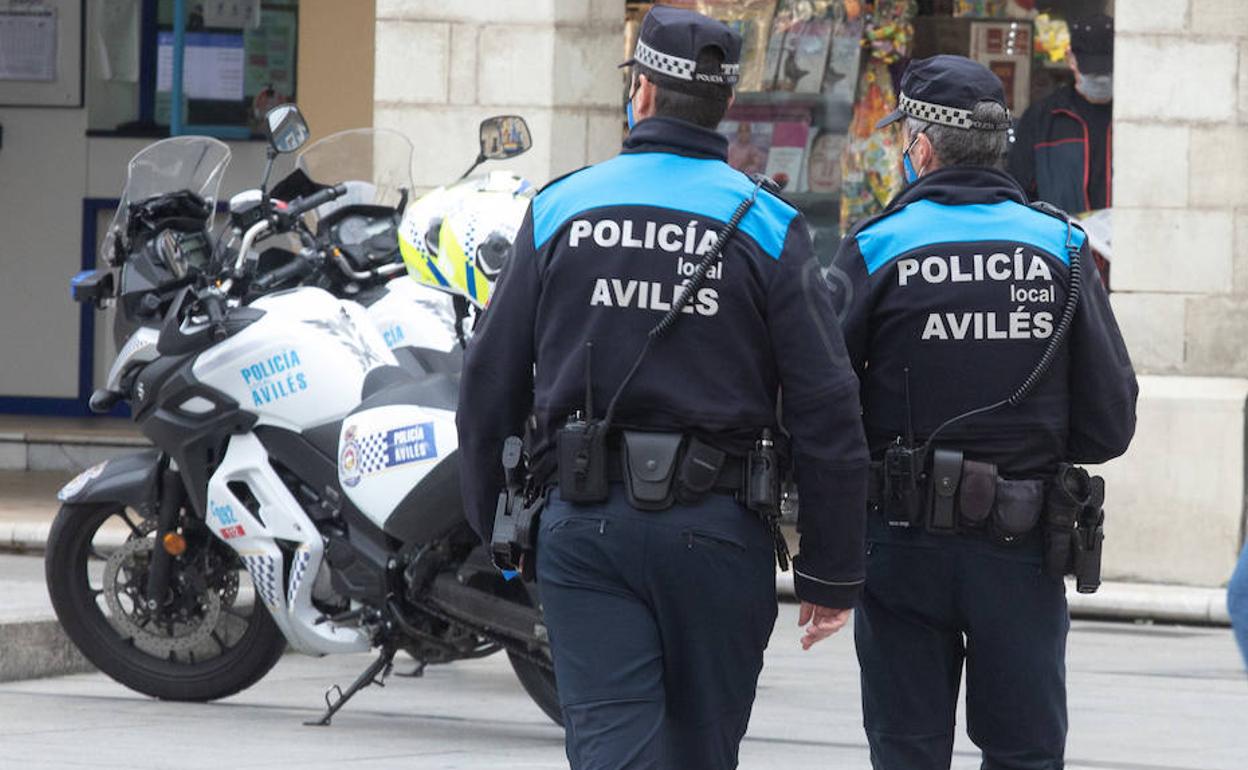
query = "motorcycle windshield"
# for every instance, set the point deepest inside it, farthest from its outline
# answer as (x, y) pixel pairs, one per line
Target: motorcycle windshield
(374, 163)
(192, 163)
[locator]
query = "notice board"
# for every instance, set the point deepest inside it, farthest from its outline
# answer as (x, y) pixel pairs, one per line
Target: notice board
(41, 53)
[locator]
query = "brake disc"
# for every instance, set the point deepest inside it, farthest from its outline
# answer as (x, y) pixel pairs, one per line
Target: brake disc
(125, 575)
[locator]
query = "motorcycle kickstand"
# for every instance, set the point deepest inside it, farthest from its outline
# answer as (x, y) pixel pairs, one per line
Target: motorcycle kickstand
(383, 665)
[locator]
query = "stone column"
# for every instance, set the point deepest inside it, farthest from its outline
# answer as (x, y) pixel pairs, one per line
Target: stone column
(441, 67)
(1181, 184)
(1180, 276)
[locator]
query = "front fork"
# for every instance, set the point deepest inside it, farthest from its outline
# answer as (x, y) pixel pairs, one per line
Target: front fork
(172, 496)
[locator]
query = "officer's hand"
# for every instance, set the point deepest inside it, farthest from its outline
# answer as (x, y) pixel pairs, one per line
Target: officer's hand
(824, 621)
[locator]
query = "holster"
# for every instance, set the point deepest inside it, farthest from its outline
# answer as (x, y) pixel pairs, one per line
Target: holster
(1067, 495)
(513, 545)
(1090, 540)
(1074, 527)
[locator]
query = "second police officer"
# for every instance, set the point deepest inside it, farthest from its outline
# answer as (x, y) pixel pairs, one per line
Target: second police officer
(990, 359)
(656, 421)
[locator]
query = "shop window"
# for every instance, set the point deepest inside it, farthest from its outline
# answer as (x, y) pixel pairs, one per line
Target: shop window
(815, 75)
(240, 59)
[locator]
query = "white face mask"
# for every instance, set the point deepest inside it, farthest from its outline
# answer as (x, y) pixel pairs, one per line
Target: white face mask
(1095, 88)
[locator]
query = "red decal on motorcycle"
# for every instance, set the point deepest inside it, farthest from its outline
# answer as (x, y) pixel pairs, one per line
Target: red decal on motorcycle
(232, 532)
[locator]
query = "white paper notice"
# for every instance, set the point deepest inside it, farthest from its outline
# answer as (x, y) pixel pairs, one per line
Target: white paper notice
(212, 66)
(28, 44)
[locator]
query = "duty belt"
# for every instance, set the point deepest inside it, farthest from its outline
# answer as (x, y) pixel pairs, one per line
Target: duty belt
(959, 495)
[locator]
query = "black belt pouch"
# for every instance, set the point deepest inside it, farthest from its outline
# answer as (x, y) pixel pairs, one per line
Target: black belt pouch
(977, 494)
(1018, 508)
(699, 471)
(946, 474)
(650, 468)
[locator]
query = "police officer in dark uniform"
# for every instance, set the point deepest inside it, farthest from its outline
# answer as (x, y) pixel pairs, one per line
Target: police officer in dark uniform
(659, 588)
(949, 299)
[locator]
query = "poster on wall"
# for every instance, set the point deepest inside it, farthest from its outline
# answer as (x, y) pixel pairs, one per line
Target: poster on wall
(41, 53)
(797, 54)
(28, 43)
(270, 53)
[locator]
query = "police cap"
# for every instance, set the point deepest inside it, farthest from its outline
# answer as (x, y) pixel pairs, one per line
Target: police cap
(944, 89)
(669, 44)
(1092, 41)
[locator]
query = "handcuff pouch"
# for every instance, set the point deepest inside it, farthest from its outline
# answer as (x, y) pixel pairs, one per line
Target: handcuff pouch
(650, 468)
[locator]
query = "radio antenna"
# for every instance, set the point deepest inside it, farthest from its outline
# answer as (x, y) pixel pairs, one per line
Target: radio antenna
(589, 381)
(909, 412)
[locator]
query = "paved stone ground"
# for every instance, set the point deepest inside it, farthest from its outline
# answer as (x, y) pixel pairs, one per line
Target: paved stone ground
(1142, 698)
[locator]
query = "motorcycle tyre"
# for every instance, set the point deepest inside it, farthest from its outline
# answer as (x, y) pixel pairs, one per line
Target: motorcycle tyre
(539, 683)
(238, 668)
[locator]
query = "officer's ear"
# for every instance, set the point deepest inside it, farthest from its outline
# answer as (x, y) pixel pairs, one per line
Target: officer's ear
(923, 154)
(644, 98)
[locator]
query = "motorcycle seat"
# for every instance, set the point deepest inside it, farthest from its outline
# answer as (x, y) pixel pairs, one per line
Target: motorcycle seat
(393, 385)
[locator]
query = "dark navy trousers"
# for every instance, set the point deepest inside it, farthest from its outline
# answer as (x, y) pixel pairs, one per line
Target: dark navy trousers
(658, 622)
(935, 603)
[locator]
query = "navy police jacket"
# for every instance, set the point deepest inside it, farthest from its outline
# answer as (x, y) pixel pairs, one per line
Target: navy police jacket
(600, 257)
(957, 288)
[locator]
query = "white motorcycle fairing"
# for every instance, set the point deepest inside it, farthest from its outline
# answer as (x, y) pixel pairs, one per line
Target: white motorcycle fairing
(301, 365)
(409, 314)
(286, 367)
(386, 451)
(278, 516)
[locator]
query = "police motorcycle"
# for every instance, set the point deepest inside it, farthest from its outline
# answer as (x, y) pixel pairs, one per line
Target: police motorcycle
(466, 232)
(303, 489)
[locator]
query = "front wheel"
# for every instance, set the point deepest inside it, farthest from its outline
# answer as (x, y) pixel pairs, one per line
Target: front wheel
(206, 639)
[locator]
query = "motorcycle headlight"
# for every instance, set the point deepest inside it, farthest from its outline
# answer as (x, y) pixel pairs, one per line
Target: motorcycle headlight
(169, 250)
(182, 252)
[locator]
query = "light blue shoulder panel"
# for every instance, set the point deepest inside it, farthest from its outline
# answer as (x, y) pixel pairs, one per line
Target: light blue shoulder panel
(925, 223)
(702, 187)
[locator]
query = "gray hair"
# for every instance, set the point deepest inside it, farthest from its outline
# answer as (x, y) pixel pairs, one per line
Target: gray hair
(968, 146)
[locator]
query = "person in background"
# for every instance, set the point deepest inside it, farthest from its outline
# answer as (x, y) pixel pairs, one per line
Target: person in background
(1063, 147)
(1237, 602)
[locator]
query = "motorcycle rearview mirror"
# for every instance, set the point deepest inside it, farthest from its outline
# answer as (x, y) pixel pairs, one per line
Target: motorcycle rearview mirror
(285, 128)
(286, 131)
(501, 137)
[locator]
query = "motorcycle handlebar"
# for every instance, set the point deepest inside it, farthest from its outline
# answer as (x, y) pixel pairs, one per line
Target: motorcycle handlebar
(214, 307)
(299, 206)
(296, 268)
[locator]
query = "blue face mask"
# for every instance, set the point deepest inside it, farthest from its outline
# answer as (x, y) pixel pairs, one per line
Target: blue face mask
(911, 175)
(628, 105)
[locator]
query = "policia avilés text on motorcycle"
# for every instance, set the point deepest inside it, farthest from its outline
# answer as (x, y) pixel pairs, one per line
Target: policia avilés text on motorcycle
(655, 445)
(990, 361)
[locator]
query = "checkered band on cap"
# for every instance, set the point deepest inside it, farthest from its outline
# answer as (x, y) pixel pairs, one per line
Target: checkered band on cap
(680, 68)
(948, 116)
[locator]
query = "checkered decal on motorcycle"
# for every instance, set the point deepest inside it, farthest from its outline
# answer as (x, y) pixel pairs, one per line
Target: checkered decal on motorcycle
(265, 576)
(297, 571)
(373, 452)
